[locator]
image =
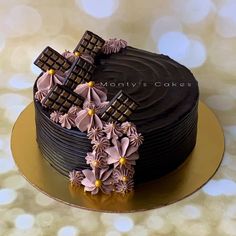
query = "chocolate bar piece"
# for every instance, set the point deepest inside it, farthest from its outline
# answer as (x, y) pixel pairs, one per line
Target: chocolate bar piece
(62, 99)
(119, 108)
(51, 59)
(90, 44)
(81, 71)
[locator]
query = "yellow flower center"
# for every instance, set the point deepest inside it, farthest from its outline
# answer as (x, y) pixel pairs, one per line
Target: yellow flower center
(91, 84)
(52, 72)
(98, 183)
(95, 163)
(77, 54)
(91, 112)
(124, 178)
(122, 160)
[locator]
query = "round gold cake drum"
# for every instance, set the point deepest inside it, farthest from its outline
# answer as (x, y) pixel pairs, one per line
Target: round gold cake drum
(188, 178)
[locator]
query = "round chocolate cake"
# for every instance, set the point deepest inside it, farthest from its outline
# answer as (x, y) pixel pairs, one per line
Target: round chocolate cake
(167, 96)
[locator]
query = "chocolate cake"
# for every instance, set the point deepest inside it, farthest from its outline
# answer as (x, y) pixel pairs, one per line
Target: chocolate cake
(153, 92)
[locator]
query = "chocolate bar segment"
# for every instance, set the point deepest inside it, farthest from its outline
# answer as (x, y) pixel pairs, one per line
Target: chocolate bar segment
(51, 59)
(90, 44)
(119, 109)
(62, 99)
(80, 72)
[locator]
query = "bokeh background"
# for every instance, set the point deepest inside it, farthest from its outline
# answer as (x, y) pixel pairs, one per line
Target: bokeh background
(200, 34)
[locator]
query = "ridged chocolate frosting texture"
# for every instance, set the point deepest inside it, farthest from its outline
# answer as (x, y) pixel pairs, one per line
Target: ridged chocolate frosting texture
(167, 93)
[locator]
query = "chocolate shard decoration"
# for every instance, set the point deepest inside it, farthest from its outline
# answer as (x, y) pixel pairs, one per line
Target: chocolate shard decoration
(51, 59)
(119, 108)
(90, 44)
(62, 99)
(81, 71)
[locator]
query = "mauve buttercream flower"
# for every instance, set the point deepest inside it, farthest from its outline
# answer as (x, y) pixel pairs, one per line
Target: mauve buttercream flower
(67, 120)
(113, 46)
(124, 187)
(70, 56)
(122, 154)
(92, 92)
(123, 174)
(98, 180)
(128, 128)
(102, 106)
(95, 134)
(108, 47)
(55, 116)
(89, 104)
(112, 130)
(87, 119)
(74, 110)
(40, 95)
(120, 43)
(136, 139)
(101, 144)
(87, 58)
(49, 79)
(75, 177)
(96, 160)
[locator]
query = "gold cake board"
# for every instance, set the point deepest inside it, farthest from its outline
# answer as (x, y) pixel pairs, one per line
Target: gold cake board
(200, 166)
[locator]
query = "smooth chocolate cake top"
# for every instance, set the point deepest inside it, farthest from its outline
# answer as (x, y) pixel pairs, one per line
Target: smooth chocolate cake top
(164, 89)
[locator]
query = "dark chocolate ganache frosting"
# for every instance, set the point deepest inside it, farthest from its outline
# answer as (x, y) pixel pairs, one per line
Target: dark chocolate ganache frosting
(167, 93)
(164, 89)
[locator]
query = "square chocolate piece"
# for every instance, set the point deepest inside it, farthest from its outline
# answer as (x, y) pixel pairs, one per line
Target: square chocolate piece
(90, 44)
(119, 108)
(80, 72)
(62, 99)
(51, 59)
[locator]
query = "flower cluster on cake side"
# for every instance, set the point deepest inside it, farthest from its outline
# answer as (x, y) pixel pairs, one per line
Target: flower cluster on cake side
(115, 144)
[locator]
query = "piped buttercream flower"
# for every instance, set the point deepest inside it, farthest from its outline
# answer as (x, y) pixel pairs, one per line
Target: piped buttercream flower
(124, 187)
(101, 144)
(129, 128)
(122, 154)
(87, 58)
(97, 180)
(92, 92)
(40, 95)
(74, 110)
(70, 56)
(113, 46)
(87, 119)
(67, 120)
(112, 130)
(136, 139)
(123, 174)
(120, 43)
(102, 106)
(55, 116)
(49, 79)
(89, 104)
(76, 177)
(95, 134)
(96, 160)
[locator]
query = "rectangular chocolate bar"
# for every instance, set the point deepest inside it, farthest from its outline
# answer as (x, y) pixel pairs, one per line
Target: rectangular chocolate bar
(90, 44)
(51, 59)
(81, 71)
(62, 99)
(119, 108)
